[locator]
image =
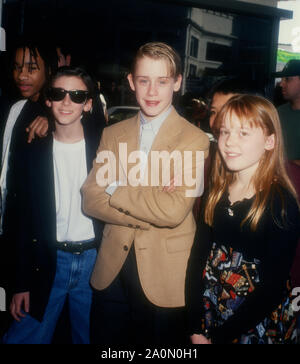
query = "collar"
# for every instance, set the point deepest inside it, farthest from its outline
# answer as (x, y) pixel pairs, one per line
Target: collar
(156, 123)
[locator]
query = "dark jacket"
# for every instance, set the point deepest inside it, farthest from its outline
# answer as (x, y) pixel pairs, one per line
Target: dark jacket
(29, 112)
(36, 217)
(5, 105)
(18, 142)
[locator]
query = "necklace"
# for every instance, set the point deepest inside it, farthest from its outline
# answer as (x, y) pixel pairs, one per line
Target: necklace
(230, 211)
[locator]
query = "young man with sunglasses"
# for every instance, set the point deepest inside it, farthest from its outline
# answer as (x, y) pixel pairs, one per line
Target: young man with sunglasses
(56, 243)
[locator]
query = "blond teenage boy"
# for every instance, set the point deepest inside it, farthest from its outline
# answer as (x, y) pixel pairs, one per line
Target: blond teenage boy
(139, 276)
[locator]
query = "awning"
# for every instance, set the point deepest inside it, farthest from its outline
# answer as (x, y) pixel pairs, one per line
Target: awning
(285, 56)
(237, 7)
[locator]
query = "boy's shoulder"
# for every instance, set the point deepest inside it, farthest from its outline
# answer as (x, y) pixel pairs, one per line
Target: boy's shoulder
(17, 106)
(25, 111)
(187, 130)
(122, 126)
(191, 128)
(191, 133)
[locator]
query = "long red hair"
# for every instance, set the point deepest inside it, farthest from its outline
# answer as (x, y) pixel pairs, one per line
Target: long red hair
(270, 176)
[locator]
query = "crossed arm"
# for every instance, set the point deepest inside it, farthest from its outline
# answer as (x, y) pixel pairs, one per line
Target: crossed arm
(137, 206)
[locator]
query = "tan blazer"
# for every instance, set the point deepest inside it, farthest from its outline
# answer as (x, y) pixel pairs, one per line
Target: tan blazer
(159, 224)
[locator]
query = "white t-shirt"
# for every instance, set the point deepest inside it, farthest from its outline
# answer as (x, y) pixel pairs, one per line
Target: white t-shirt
(70, 172)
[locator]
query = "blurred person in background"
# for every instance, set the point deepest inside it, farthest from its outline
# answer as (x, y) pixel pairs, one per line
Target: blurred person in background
(289, 113)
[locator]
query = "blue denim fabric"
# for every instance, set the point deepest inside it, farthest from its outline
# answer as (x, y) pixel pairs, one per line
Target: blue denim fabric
(72, 278)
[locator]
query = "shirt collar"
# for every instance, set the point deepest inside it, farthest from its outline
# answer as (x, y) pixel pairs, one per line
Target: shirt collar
(155, 124)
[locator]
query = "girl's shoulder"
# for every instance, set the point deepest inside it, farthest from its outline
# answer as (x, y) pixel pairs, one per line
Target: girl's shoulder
(284, 206)
(280, 194)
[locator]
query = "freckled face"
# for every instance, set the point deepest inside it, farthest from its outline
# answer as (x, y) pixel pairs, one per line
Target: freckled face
(243, 146)
(153, 86)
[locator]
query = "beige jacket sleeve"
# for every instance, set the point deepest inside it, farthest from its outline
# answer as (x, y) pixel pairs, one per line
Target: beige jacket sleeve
(153, 205)
(96, 202)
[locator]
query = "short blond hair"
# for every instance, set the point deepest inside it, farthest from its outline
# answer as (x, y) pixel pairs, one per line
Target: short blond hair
(159, 50)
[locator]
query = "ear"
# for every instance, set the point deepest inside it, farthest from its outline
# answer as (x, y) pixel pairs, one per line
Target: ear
(130, 80)
(88, 105)
(177, 84)
(48, 103)
(270, 142)
(68, 60)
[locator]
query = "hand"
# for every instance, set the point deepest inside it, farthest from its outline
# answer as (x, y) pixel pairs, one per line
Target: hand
(16, 305)
(296, 161)
(106, 117)
(62, 59)
(200, 339)
(170, 188)
(39, 127)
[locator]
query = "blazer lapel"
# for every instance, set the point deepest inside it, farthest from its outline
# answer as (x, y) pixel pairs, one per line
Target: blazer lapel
(127, 142)
(166, 140)
(92, 137)
(168, 134)
(92, 140)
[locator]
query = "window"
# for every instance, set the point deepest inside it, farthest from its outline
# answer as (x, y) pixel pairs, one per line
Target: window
(247, 46)
(218, 52)
(193, 70)
(194, 47)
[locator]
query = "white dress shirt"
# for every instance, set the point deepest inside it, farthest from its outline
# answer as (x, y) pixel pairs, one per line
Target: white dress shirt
(148, 132)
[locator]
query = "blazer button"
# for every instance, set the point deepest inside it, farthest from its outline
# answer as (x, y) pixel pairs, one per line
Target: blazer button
(37, 269)
(127, 213)
(34, 240)
(129, 225)
(120, 210)
(125, 248)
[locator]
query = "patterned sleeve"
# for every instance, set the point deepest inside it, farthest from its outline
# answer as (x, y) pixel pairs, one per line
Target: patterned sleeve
(281, 241)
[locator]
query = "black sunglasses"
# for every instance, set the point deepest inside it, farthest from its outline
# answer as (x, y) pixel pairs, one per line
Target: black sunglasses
(76, 96)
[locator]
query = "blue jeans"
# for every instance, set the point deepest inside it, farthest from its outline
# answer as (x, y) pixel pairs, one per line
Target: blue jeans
(72, 278)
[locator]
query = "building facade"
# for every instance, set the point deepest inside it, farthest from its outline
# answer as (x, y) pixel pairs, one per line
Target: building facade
(212, 36)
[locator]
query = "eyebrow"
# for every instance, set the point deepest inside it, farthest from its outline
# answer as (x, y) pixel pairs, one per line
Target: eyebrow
(26, 63)
(162, 77)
